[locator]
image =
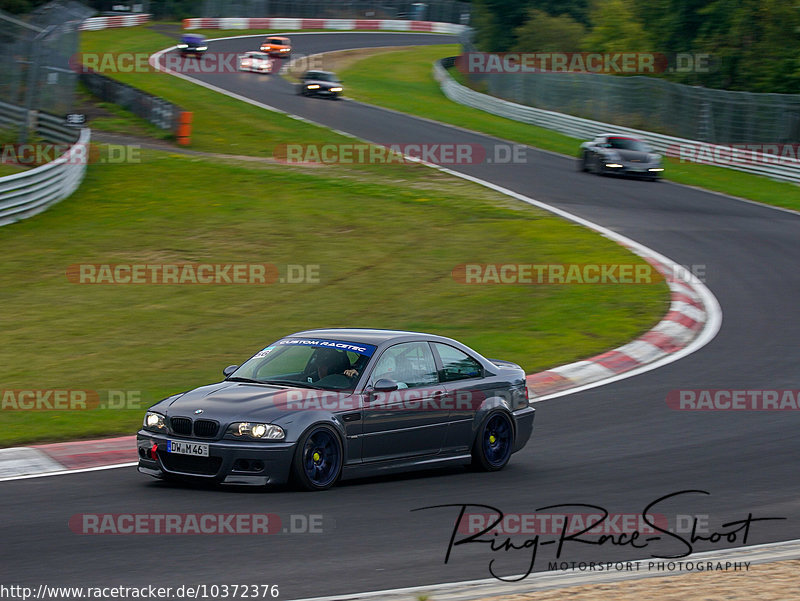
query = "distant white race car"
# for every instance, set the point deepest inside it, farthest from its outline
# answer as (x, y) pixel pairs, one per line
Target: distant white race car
(258, 62)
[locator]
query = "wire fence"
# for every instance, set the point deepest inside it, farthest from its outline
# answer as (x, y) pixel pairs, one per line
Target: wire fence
(35, 54)
(652, 104)
(449, 11)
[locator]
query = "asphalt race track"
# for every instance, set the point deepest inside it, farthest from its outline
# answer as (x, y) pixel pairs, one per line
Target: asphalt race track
(618, 446)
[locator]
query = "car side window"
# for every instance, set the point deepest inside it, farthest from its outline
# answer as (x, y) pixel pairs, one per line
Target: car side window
(457, 365)
(410, 364)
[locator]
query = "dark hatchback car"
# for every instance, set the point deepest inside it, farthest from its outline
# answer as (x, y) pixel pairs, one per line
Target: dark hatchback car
(192, 44)
(320, 83)
(322, 405)
(622, 155)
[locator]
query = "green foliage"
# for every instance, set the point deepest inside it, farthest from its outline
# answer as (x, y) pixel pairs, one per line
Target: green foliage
(544, 33)
(616, 28)
(754, 45)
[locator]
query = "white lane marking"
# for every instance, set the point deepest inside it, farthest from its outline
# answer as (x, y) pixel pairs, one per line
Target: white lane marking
(21, 461)
(491, 587)
(67, 472)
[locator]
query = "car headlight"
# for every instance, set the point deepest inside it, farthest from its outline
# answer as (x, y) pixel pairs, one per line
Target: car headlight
(256, 430)
(154, 422)
(313, 86)
(336, 89)
(202, 47)
(284, 50)
(183, 45)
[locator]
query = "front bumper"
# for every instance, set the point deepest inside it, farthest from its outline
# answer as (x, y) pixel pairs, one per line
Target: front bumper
(634, 169)
(229, 461)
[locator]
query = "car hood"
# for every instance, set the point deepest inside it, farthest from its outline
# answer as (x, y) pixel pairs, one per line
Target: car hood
(234, 401)
(633, 156)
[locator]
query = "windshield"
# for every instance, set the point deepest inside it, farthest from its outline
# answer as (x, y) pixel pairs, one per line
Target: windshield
(320, 76)
(628, 144)
(277, 41)
(308, 362)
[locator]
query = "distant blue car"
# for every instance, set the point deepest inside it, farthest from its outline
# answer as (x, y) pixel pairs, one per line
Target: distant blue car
(192, 44)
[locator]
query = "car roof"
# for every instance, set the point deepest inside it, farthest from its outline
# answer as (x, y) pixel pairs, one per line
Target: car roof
(277, 37)
(318, 71)
(368, 335)
(625, 136)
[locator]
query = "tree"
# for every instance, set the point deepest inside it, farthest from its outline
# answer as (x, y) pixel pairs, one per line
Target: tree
(544, 33)
(615, 28)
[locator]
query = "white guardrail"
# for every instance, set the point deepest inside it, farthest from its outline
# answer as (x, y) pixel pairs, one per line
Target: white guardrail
(28, 193)
(769, 165)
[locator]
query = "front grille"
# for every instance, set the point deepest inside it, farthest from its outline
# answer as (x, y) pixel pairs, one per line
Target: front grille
(181, 425)
(188, 464)
(205, 428)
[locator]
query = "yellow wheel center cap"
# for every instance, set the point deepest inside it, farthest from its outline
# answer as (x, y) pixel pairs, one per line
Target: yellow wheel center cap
(492, 438)
(316, 456)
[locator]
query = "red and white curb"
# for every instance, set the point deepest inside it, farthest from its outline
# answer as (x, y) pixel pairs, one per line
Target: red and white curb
(291, 24)
(683, 322)
(67, 457)
(95, 23)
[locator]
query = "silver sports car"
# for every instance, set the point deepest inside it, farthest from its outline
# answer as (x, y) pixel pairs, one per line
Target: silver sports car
(623, 155)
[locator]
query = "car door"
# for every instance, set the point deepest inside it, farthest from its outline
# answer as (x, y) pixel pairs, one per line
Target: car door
(465, 390)
(410, 421)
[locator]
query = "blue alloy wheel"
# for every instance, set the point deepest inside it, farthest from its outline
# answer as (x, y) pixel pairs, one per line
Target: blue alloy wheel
(320, 456)
(494, 442)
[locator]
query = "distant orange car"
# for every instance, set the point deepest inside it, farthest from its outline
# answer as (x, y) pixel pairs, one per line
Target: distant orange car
(277, 46)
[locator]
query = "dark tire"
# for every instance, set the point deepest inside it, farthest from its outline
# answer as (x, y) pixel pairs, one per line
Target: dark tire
(317, 462)
(494, 442)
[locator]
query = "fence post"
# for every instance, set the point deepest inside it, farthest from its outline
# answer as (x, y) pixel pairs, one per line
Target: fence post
(185, 128)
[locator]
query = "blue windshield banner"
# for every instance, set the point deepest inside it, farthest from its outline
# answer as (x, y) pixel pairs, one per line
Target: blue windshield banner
(354, 347)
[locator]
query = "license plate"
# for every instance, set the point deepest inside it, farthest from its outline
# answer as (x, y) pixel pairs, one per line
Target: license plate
(187, 448)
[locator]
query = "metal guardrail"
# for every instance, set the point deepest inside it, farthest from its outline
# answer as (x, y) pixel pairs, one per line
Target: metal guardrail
(772, 166)
(30, 192)
(161, 113)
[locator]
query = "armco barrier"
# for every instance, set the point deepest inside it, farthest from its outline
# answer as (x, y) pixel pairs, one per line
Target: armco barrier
(25, 194)
(340, 24)
(114, 21)
(161, 113)
(780, 168)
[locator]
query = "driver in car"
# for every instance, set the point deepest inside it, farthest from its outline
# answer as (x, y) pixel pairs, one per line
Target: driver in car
(332, 361)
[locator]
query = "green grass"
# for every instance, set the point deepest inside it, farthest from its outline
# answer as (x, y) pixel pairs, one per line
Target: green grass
(386, 239)
(402, 81)
(386, 244)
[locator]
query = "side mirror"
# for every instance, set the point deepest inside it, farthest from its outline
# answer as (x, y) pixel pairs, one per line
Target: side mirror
(229, 370)
(385, 385)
